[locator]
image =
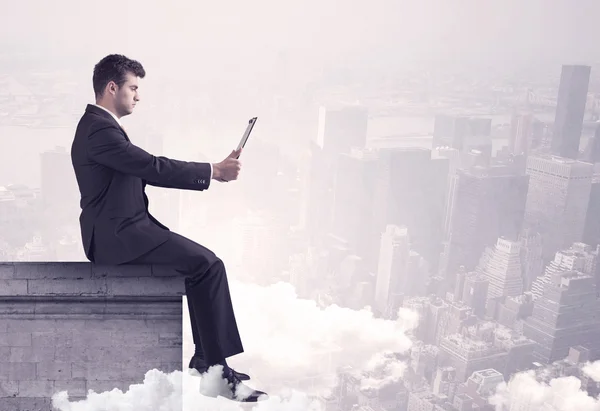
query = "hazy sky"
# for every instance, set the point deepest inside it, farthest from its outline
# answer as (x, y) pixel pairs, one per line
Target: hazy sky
(509, 30)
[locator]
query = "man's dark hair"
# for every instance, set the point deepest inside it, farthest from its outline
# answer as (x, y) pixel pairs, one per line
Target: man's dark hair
(115, 67)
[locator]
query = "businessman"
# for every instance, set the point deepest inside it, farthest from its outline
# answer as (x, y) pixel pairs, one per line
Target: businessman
(117, 228)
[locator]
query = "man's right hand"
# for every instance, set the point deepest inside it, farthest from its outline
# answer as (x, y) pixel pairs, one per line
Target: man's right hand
(229, 168)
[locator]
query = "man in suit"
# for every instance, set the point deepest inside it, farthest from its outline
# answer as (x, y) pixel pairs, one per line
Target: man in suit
(117, 228)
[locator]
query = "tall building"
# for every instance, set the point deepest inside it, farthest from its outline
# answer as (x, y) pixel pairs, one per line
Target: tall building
(468, 355)
(410, 191)
(444, 382)
(532, 262)
(557, 200)
(526, 134)
(501, 266)
(341, 129)
(431, 310)
(566, 315)
(475, 291)
(520, 129)
(353, 201)
(480, 386)
(461, 133)
(338, 131)
(487, 203)
(579, 257)
(392, 267)
(591, 231)
(591, 153)
(454, 320)
(570, 109)
(454, 160)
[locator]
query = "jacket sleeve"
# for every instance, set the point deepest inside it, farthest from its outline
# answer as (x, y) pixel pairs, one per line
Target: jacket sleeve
(108, 146)
(167, 186)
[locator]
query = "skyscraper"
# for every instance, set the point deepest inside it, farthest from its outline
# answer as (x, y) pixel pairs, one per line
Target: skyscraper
(501, 266)
(487, 203)
(410, 191)
(580, 257)
(392, 267)
(532, 262)
(570, 108)
(526, 134)
(353, 201)
(341, 129)
(566, 315)
(557, 200)
(591, 232)
(338, 131)
(460, 132)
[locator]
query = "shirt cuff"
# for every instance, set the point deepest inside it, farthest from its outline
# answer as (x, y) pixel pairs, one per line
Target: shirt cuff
(211, 171)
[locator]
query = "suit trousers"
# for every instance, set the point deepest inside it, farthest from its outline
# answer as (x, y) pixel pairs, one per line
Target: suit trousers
(214, 327)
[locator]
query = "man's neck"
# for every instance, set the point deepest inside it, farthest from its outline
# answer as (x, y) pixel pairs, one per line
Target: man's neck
(115, 116)
(107, 108)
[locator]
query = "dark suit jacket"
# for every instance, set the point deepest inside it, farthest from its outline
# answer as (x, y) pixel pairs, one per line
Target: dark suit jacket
(112, 174)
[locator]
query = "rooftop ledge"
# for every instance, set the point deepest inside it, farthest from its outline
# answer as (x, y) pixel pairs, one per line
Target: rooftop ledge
(76, 281)
(84, 289)
(77, 326)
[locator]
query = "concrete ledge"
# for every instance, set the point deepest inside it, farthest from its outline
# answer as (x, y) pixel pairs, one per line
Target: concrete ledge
(80, 326)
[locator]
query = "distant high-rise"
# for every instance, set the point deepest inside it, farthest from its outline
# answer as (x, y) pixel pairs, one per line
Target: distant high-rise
(501, 266)
(592, 151)
(461, 132)
(338, 131)
(410, 191)
(475, 292)
(566, 315)
(557, 200)
(591, 232)
(487, 203)
(570, 109)
(353, 201)
(580, 257)
(526, 134)
(392, 267)
(532, 262)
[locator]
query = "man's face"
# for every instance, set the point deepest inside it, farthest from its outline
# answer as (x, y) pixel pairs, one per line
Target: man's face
(127, 96)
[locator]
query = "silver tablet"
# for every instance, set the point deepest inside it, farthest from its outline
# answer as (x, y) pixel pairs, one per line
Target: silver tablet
(251, 123)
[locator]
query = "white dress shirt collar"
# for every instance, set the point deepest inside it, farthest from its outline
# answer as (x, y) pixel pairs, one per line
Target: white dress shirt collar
(111, 113)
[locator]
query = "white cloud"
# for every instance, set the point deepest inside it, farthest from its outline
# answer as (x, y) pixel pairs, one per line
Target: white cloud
(592, 369)
(292, 350)
(523, 392)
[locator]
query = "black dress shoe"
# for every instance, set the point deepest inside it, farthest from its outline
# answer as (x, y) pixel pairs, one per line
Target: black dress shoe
(201, 366)
(238, 391)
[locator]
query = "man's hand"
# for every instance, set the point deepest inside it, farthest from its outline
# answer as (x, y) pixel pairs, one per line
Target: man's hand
(229, 168)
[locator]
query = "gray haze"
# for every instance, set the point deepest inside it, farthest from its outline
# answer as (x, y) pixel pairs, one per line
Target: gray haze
(212, 66)
(393, 31)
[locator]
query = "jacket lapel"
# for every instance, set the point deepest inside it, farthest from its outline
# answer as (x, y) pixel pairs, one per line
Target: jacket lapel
(125, 131)
(101, 112)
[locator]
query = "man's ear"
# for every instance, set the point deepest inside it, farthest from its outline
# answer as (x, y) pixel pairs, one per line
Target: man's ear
(112, 87)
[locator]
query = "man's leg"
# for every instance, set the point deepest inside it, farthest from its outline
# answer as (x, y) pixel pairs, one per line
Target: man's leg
(199, 353)
(211, 310)
(214, 326)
